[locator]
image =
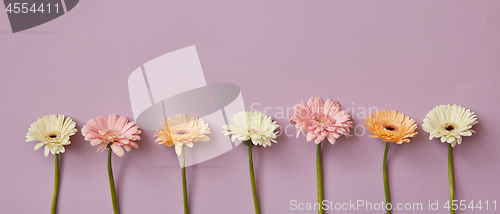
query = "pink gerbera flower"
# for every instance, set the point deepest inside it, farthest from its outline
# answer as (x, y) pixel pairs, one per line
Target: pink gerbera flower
(114, 131)
(321, 120)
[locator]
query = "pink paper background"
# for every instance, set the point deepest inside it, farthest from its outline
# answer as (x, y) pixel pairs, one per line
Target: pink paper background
(405, 55)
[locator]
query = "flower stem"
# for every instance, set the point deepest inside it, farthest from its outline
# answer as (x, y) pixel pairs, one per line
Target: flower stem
(450, 172)
(112, 184)
(184, 185)
(252, 178)
(386, 182)
(56, 185)
(319, 171)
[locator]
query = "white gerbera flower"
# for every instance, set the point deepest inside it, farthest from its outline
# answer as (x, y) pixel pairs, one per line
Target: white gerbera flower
(53, 132)
(450, 123)
(253, 126)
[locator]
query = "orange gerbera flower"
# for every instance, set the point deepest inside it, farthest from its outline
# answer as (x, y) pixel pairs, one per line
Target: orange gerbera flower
(391, 126)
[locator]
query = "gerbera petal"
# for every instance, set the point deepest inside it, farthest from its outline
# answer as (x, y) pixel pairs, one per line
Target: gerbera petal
(127, 148)
(112, 121)
(117, 150)
(331, 138)
(178, 149)
(443, 139)
(65, 141)
(318, 139)
(450, 140)
(121, 122)
(61, 149)
(127, 127)
(91, 135)
(101, 147)
(46, 151)
(95, 142)
(134, 145)
(53, 149)
(38, 145)
(204, 138)
(123, 141)
(310, 135)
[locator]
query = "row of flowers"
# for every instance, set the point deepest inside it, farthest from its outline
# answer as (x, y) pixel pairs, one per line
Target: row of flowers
(319, 119)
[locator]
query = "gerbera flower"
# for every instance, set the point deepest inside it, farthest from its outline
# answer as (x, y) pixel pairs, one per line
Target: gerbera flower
(450, 123)
(391, 126)
(182, 130)
(53, 132)
(179, 131)
(254, 126)
(114, 131)
(321, 120)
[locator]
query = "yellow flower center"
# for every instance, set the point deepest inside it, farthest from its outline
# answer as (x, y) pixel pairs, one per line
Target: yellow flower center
(321, 119)
(109, 135)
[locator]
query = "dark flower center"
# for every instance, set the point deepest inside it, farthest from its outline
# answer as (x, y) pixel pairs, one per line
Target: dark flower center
(390, 127)
(52, 136)
(449, 127)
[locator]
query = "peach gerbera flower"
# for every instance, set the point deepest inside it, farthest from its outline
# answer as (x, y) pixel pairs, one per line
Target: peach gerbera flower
(182, 130)
(391, 126)
(321, 120)
(114, 131)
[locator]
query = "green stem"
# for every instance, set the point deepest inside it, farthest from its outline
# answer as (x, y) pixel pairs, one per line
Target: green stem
(184, 185)
(112, 184)
(319, 171)
(386, 182)
(252, 178)
(56, 185)
(450, 172)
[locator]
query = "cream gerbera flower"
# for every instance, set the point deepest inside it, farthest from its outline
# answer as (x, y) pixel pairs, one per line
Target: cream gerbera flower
(182, 130)
(391, 126)
(450, 123)
(53, 132)
(253, 126)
